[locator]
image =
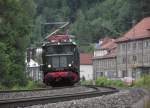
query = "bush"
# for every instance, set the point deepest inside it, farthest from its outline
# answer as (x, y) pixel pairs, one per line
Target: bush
(103, 81)
(87, 82)
(29, 86)
(118, 83)
(143, 82)
(17, 87)
(2, 87)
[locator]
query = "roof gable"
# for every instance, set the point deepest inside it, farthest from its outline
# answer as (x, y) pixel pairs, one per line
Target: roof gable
(139, 31)
(109, 45)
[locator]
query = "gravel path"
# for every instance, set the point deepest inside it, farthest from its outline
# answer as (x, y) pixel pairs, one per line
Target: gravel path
(123, 99)
(45, 92)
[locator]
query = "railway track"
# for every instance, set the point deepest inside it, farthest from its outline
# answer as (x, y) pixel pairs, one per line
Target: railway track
(37, 89)
(44, 99)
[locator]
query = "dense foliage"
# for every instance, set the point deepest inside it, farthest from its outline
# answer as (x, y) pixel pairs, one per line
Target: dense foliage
(93, 19)
(22, 22)
(103, 81)
(15, 19)
(143, 82)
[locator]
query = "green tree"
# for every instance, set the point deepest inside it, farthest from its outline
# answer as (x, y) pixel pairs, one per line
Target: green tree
(15, 20)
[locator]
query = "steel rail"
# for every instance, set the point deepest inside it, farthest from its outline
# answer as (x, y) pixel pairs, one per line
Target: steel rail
(23, 90)
(22, 102)
(38, 89)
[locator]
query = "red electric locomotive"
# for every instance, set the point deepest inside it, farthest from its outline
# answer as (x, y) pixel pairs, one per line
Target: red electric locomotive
(61, 62)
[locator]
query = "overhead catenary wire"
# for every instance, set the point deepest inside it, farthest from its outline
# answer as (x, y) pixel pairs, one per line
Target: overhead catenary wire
(61, 27)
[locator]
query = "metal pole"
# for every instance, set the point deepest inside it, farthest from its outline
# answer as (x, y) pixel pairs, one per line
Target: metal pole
(116, 67)
(126, 60)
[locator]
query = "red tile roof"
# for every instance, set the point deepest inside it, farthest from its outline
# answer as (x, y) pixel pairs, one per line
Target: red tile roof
(105, 40)
(109, 45)
(85, 59)
(139, 31)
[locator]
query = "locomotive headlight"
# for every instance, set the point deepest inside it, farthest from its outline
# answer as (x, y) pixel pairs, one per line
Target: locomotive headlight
(69, 65)
(49, 66)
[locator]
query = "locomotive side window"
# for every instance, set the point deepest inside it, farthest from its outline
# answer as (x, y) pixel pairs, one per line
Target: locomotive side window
(50, 49)
(61, 49)
(68, 49)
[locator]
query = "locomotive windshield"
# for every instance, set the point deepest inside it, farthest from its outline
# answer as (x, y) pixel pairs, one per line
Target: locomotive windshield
(59, 55)
(59, 61)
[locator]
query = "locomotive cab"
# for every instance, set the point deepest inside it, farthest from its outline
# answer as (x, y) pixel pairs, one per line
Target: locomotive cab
(60, 63)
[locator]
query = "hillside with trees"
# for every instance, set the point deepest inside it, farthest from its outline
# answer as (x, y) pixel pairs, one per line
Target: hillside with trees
(93, 19)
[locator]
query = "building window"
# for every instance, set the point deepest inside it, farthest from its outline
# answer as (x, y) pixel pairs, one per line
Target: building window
(140, 44)
(133, 74)
(146, 44)
(123, 46)
(107, 63)
(102, 74)
(134, 58)
(99, 74)
(119, 60)
(129, 46)
(128, 59)
(118, 48)
(147, 58)
(134, 46)
(124, 60)
(98, 62)
(139, 56)
(102, 63)
(124, 73)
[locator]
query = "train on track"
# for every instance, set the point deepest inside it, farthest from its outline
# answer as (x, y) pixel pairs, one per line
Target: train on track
(60, 57)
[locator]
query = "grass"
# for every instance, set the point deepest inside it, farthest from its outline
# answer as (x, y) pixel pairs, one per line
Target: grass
(29, 86)
(103, 81)
(143, 82)
(87, 82)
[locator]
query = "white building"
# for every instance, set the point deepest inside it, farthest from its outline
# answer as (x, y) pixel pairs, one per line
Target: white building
(86, 67)
(104, 59)
(34, 71)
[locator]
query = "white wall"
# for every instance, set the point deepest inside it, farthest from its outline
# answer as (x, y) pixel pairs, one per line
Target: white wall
(100, 53)
(86, 71)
